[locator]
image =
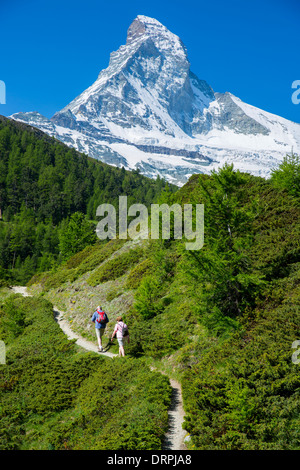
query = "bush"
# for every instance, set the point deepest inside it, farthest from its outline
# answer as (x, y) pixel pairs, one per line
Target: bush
(146, 296)
(92, 256)
(124, 407)
(137, 273)
(54, 397)
(243, 394)
(57, 279)
(116, 266)
(287, 175)
(84, 261)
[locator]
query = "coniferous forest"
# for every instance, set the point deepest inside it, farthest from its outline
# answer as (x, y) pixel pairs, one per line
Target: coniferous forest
(47, 193)
(221, 320)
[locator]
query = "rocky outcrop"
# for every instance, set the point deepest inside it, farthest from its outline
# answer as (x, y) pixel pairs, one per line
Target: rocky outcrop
(148, 110)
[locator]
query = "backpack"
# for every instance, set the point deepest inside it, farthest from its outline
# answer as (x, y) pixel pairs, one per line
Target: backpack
(125, 332)
(101, 317)
(124, 329)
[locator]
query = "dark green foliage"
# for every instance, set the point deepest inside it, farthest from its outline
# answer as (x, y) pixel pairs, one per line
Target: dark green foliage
(251, 237)
(287, 175)
(92, 256)
(42, 183)
(75, 234)
(244, 393)
(37, 377)
(116, 266)
(138, 272)
(222, 267)
(239, 299)
(13, 320)
(120, 407)
(163, 312)
(84, 261)
(146, 295)
(225, 317)
(165, 332)
(53, 397)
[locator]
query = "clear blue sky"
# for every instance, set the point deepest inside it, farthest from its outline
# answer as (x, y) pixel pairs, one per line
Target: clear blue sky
(52, 50)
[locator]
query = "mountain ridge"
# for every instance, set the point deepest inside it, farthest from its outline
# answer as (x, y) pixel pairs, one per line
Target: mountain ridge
(148, 98)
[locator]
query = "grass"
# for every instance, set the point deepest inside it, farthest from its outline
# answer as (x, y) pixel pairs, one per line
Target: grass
(240, 388)
(53, 393)
(116, 267)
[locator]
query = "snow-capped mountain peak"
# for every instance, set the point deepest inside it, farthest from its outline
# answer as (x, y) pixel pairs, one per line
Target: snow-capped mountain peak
(145, 27)
(147, 110)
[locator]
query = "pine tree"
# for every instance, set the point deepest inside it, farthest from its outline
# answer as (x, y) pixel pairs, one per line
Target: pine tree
(75, 235)
(287, 175)
(221, 270)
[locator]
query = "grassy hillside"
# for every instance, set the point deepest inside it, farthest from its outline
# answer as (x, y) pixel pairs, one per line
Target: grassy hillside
(55, 396)
(49, 194)
(222, 319)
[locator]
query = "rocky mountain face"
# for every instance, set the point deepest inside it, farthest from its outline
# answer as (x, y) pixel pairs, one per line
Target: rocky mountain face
(147, 110)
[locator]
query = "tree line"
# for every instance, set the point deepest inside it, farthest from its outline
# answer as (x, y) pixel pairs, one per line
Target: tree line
(43, 184)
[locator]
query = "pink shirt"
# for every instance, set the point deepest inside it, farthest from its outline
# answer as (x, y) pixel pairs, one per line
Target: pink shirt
(118, 329)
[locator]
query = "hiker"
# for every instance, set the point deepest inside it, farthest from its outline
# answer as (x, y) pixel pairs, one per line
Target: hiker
(122, 333)
(100, 319)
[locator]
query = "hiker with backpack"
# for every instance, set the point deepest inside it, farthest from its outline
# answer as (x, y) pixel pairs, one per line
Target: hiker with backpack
(122, 333)
(100, 319)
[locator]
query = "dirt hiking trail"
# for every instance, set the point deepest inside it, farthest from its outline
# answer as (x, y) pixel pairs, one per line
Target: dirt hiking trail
(174, 439)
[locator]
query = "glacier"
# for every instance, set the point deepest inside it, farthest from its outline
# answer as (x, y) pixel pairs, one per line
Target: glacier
(147, 110)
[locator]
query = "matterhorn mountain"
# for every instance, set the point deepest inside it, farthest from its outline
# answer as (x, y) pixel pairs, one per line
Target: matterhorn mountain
(148, 111)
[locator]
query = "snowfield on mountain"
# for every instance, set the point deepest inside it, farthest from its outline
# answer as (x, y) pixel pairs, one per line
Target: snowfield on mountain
(148, 111)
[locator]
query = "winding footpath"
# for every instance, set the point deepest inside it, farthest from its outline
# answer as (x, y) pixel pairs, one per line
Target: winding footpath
(174, 439)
